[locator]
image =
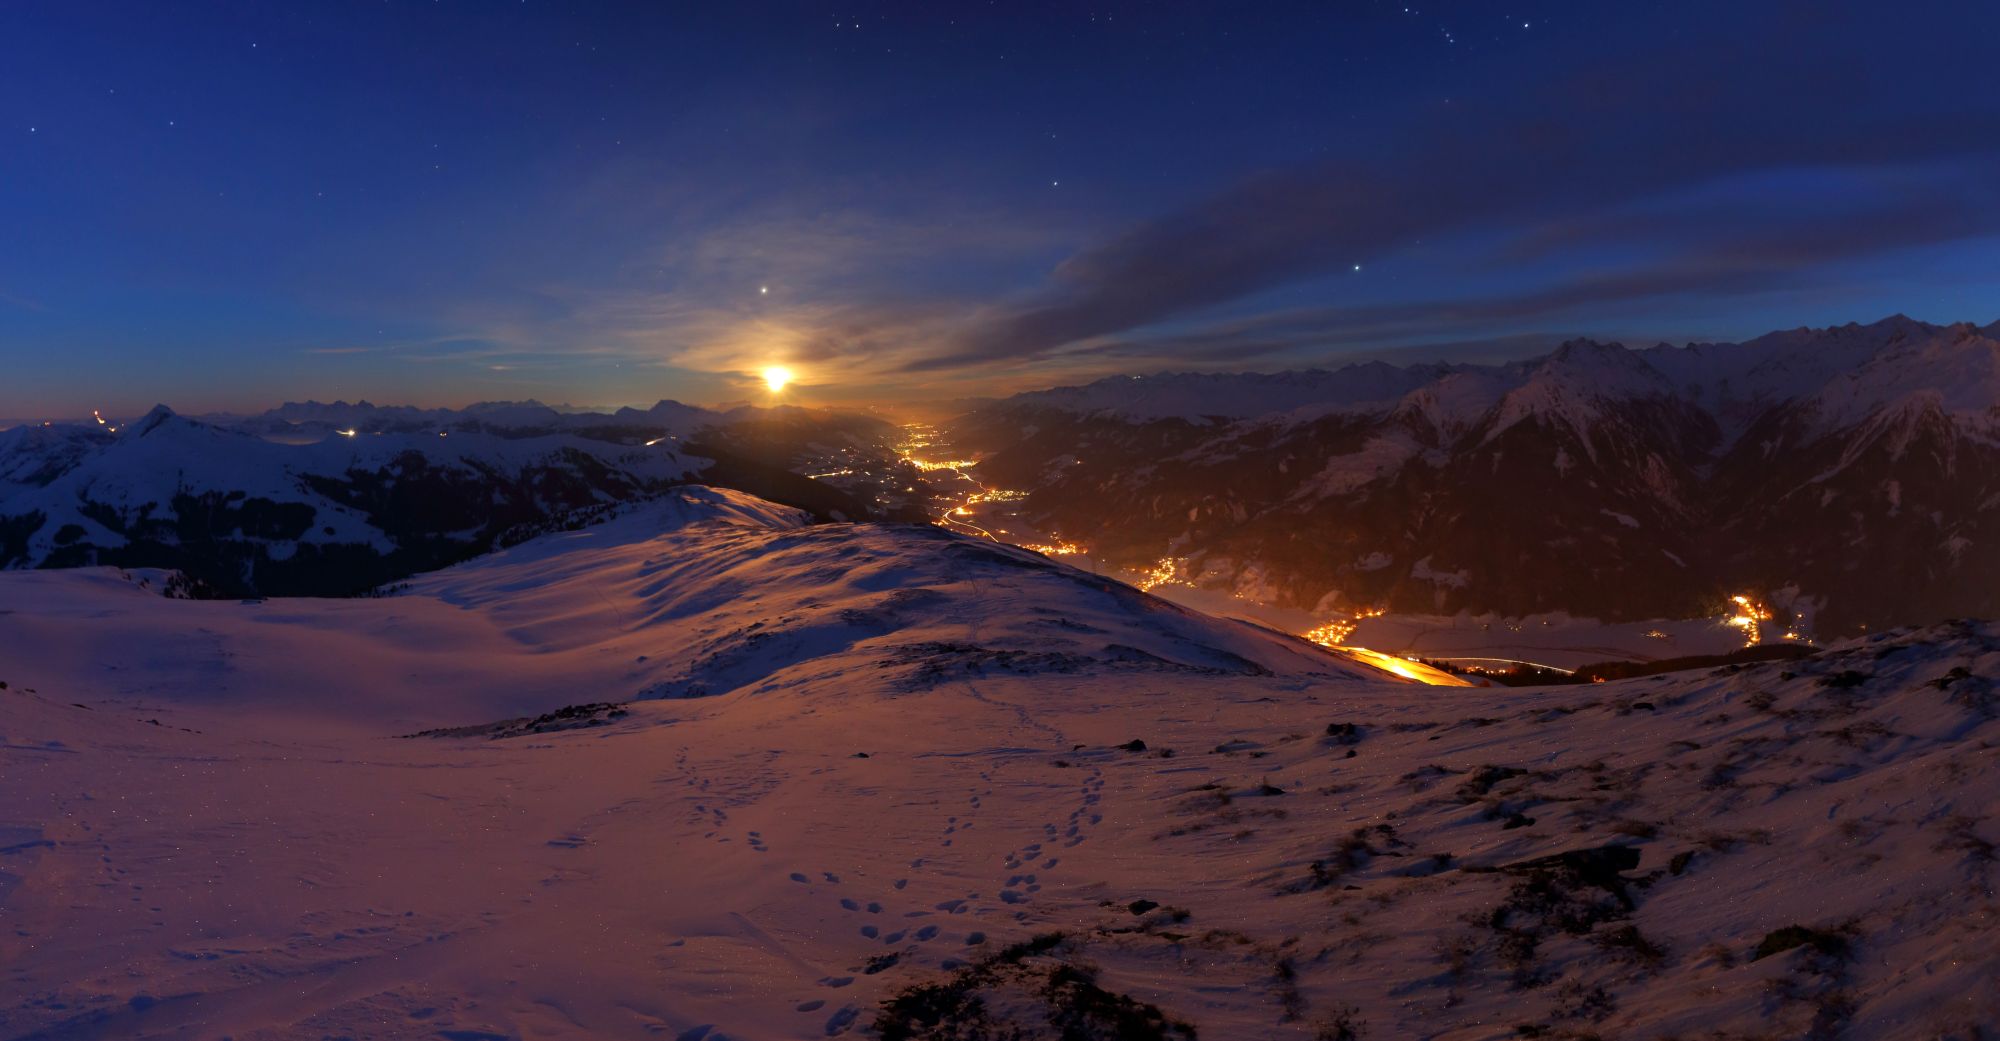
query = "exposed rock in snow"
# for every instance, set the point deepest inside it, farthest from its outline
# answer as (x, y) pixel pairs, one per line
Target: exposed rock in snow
(968, 790)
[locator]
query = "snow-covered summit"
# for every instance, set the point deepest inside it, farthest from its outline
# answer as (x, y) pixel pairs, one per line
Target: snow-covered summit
(1728, 379)
(1614, 482)
(913, 805)
(732, 593)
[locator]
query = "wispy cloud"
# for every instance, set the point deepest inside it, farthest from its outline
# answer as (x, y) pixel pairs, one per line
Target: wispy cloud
(1618, 183)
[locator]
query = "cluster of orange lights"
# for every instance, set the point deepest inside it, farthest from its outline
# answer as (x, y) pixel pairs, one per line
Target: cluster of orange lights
(939, 464)
(1332, 634)
(1336, 632)
(1166, 572)
(1750, 616)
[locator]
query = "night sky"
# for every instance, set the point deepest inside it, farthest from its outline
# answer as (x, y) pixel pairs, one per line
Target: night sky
(227, 205)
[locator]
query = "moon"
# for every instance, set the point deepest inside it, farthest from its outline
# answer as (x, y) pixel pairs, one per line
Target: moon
(776, 377)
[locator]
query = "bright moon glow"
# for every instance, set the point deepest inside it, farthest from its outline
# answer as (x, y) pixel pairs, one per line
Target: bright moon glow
(776, 377)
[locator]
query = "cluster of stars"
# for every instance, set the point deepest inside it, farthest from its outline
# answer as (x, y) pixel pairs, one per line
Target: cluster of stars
(1451, 36)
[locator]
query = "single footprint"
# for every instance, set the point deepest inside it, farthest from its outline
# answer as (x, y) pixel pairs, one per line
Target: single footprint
(841, 1020)
(926, 933)
(811, 1006)
(870, 931)
(796, 877)
(849, 903)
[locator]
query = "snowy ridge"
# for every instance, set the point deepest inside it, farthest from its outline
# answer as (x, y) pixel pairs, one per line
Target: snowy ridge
(862, 842)
(911, 598)
(1577, 386)
(1615, 483)
(103, 494)
(1847, 365)
(33, 456)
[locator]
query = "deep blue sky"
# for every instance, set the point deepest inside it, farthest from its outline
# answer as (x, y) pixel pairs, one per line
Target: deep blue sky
(224, 205)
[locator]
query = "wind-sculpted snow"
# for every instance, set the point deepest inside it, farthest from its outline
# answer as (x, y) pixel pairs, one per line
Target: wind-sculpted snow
(744, 600)
(979, 796)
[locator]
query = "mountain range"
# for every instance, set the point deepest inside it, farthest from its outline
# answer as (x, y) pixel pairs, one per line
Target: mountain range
(700, 769)
(338, 499)
(1842, 479)
(1849, 477)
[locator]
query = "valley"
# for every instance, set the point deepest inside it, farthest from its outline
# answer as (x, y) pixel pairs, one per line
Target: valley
(893, 781)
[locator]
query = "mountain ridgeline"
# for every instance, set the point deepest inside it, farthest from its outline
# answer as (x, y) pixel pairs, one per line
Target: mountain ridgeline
(1850, 476)
(335, 500)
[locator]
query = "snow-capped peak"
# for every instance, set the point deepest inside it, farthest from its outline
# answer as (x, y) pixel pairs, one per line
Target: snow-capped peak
(159, 416)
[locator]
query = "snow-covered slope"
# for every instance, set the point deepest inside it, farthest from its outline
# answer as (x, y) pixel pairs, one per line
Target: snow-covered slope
(700, 591)
(246, 513)
(774, 606)
(1623, 484)
(942, 807)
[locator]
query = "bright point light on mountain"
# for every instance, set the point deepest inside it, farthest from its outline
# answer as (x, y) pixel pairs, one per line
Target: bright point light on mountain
(776, 377)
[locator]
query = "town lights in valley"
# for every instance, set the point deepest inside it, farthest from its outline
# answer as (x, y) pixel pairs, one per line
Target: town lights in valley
(1337, 631)
(1749, 615)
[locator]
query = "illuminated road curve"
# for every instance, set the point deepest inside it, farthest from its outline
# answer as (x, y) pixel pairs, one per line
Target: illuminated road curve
(1404, 667)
